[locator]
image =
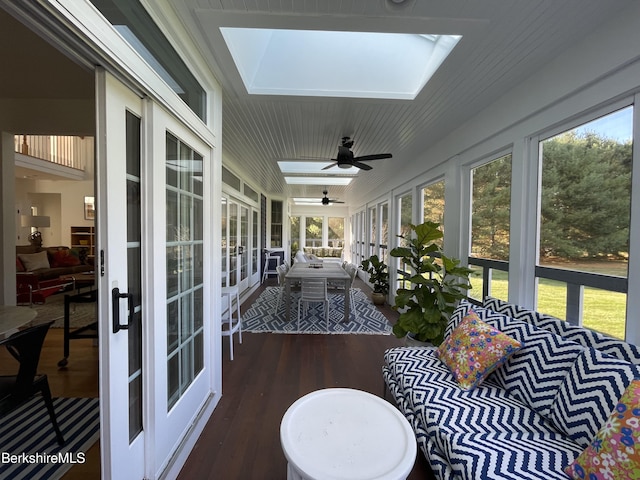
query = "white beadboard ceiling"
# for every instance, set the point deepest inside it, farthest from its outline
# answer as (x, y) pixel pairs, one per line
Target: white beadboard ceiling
(503, 43)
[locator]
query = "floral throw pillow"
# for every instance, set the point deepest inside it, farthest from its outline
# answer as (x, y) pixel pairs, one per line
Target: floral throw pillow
(615, 450)
(474, 349)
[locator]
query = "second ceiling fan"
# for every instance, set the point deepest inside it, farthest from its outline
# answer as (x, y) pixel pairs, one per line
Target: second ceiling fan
(326, 200)
(346, 159)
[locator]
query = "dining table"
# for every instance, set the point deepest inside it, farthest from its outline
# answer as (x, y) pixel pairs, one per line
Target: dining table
(13, 318)
(331, 271)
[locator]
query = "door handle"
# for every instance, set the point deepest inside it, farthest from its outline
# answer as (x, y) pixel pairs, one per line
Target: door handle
(116, 296)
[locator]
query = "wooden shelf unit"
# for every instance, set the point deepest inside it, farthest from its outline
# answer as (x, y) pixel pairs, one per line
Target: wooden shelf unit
(84, 237)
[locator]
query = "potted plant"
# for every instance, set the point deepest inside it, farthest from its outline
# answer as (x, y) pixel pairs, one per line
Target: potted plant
(437, 284)
(378, 276)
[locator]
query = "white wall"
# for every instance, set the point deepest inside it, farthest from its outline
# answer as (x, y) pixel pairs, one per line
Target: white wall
(62, 200)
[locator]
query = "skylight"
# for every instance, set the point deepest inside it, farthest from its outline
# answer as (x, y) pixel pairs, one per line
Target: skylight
(333, 180)
(307, 201)
(314, 167)
(336, 64)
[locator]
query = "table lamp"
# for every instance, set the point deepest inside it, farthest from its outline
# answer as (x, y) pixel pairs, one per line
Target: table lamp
(35, 221)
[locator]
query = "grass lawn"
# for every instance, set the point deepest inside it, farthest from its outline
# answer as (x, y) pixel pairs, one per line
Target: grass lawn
(603, 311)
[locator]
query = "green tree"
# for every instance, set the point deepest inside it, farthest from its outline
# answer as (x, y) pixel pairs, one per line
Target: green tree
(491, 209)
(585, 201)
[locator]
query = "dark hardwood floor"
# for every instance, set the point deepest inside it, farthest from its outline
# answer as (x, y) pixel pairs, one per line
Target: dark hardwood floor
(270, 371)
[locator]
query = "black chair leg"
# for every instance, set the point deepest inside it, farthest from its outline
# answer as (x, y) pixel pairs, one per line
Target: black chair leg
(48, 401)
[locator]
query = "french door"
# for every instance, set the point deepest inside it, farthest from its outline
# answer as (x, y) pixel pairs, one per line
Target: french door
(239, 233)
(118, 187)
(154, 343)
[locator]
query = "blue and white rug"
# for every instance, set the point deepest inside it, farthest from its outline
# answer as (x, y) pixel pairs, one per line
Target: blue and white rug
(26, 434)
(364, 317)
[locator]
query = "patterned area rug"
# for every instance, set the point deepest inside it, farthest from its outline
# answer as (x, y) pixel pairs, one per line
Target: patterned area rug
(28, 434)
(365, 318)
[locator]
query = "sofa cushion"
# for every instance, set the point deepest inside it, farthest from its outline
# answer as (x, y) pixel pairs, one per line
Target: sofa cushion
(589, 394)
(615, 450)
(474, 349)
(34, 261)
(64, 257)
(584, 336)
(517, 455)
(534, 373)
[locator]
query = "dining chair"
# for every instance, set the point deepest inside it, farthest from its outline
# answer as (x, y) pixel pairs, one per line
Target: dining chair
(352, 270)
(232, 326)
(271, 263)
(26, 346)
(314, 290)
(282, 272)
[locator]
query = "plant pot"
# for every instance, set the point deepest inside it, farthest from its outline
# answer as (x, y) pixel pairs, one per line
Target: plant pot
(411, 341)
(378, 298)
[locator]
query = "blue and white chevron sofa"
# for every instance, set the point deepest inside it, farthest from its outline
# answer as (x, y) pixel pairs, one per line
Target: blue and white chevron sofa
(532, 416)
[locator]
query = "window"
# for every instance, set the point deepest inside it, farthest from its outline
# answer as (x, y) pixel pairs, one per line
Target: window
(224, 242)
(405, 213)
(433, 204)
(373, 223)
(313, 231)
(335, 234)
(276, 223)
(384, 232)
(251, 193)
(135, 25)
(184, 203)
(295, 235)
(490, 222)
(584, 217)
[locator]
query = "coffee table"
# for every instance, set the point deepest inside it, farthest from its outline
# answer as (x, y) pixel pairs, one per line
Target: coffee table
(79, 280)
(346, 434)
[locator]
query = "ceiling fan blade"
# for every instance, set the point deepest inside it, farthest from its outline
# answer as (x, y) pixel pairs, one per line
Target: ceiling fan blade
(375, 156)
(362, 166)
(335, 201)
(330, 166)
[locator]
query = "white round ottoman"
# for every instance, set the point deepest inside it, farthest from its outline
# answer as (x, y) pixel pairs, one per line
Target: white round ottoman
(346, 434)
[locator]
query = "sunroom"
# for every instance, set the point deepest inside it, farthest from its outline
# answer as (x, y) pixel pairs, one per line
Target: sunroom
(519, 135)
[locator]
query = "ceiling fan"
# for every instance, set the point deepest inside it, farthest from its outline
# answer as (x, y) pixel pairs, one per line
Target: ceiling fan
(346, 159)
(326, 200)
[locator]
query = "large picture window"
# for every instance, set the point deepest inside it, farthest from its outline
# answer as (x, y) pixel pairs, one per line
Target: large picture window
(336, 232)
(490, 223)
(433, 205)
(313, 231)
(585, 204)
(405, 212)
(384, 232)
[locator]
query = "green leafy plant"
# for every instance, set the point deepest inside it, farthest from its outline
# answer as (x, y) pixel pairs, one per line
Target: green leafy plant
(438, 283)
(378, 274)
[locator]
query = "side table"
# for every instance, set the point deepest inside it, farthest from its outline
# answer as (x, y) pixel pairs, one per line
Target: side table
(86, 297)
(346, 434)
